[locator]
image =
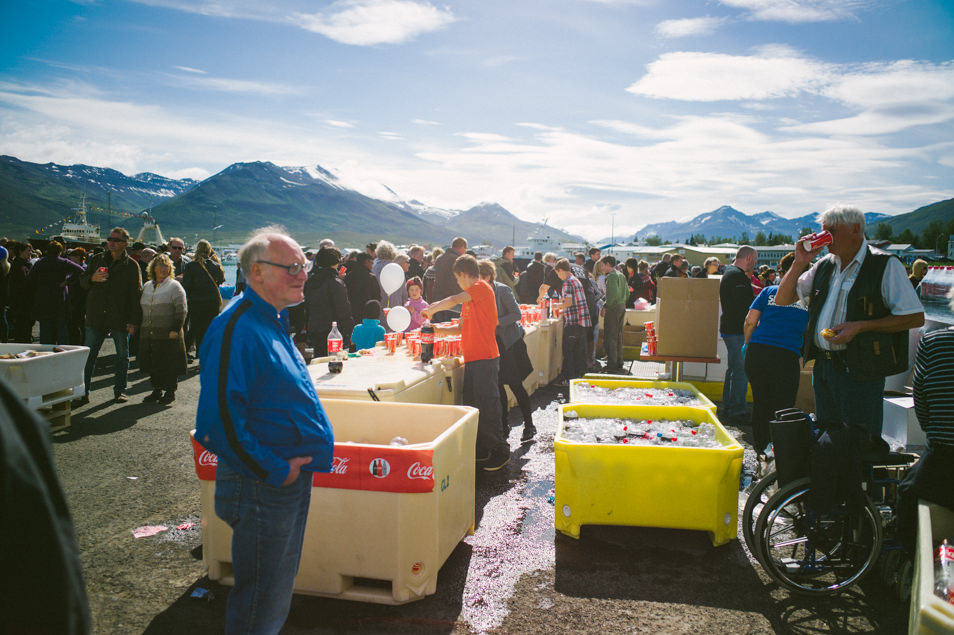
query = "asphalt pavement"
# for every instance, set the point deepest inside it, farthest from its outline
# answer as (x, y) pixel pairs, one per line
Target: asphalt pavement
(125, 466)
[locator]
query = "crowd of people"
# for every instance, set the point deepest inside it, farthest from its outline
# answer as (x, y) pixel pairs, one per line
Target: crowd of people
(849, 311)
(154, 302)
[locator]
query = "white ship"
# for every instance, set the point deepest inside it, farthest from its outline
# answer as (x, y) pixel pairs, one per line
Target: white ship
(543, 241)
(81, 232)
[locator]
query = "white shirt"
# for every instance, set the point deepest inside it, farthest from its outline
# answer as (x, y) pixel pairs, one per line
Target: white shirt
(896, 291)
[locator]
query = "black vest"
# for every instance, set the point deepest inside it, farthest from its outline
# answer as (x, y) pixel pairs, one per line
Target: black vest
(869, 355)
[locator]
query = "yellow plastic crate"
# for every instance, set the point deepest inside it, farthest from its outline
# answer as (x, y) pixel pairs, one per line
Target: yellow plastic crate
(374, 546)
(647, 486)
(929, 613)
(618, 382)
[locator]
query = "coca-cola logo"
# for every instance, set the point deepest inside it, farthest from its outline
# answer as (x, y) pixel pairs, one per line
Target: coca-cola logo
(339, 465)
(208, 459)
(418, 471)
(379, 468)
(427, 338)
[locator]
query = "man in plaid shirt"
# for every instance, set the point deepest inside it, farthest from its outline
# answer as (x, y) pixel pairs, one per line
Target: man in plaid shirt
(576, 322)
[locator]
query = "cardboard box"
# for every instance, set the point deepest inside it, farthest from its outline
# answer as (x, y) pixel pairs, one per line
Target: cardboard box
(687, 317)
(900, 425)
(805, 399)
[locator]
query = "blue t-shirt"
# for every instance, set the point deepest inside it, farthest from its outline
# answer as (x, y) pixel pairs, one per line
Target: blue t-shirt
(781, 326)
(367, 334)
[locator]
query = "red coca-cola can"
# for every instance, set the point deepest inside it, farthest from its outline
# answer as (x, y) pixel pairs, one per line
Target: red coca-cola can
(817, 240)
(103, 269)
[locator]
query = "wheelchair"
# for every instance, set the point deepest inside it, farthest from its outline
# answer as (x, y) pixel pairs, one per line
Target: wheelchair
(815, 552)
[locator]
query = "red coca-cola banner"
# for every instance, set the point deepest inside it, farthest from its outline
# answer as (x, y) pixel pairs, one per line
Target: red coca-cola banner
(375, 468)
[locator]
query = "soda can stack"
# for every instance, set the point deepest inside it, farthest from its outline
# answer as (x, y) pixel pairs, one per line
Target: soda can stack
(650, 338)
(544, 303)
(524, 315)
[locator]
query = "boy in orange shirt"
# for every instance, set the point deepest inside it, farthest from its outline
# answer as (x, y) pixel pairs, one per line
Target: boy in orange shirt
(478, 324)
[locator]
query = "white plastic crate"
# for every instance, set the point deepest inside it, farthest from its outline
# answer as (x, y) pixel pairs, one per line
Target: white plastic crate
(48, 379)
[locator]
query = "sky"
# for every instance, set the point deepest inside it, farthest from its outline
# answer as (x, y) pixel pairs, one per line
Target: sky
(599, 115)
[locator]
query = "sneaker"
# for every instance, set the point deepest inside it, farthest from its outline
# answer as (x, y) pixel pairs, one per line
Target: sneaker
(497, 459)
(529, 431)
(168, 398)
(120, 397)
(152, 397)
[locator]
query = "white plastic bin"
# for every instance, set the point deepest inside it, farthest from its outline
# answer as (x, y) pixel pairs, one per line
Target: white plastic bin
(373, 544)
(929, 613)
(46, 380)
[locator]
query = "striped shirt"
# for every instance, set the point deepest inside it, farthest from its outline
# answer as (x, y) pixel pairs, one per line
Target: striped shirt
(934, 387)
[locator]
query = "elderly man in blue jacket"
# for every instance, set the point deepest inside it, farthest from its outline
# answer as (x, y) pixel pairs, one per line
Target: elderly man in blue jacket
(259, 412)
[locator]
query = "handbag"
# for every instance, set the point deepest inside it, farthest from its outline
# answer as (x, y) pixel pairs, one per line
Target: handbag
(214, 283)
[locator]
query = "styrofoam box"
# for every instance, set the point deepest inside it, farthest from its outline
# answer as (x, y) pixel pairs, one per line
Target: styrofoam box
(45, 380)
(929, 613)
(355, 540)
(647, 486)
(901, 423)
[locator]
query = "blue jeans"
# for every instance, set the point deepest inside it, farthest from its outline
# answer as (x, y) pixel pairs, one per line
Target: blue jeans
(736, 384)
(268, 530)
(838, 397)
(54, 331)
(94, 340)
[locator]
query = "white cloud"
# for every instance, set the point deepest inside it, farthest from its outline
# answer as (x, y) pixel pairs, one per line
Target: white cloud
(391, 136)
(688, 27)
(798, 11)
(189, 69)
(426, 122)
(369, 22)
(335, 123)
(692, 76)
(229, 85)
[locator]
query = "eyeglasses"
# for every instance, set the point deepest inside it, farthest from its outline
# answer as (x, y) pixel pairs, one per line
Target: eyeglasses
(293, 269)
(116, 240)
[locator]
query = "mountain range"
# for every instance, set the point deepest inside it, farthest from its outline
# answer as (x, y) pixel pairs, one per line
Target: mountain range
(310, 202)
(727, 221)
(313, 203)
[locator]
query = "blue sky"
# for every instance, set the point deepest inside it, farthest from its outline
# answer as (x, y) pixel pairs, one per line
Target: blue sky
(591, 113)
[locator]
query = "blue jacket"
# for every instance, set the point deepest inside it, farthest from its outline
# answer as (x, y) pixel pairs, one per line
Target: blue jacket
(367, 334)
(257, 404)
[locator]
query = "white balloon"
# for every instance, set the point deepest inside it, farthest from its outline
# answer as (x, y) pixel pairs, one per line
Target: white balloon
(392, 277)
(399, 318)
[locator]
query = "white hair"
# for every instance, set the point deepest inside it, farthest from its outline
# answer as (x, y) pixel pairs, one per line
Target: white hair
(385, 250)
(842, 216)
(256, 247)
(326, 243)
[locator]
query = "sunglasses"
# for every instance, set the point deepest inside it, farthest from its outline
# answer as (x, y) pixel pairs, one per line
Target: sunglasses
(176, 247)
(116, 240)
(293, 269)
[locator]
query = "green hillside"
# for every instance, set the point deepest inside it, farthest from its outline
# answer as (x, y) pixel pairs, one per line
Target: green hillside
(246, 196)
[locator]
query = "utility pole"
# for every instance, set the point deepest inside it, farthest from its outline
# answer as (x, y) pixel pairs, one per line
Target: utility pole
(613, 228)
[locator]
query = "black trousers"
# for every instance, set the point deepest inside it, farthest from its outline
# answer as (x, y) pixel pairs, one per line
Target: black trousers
(480, 391)
(773, 373)
(574, 350)
(929, 479)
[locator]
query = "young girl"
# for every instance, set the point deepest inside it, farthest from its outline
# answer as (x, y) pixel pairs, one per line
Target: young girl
(415, 303)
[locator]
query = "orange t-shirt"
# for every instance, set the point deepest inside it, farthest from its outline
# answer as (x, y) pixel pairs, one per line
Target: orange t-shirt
(478, 323)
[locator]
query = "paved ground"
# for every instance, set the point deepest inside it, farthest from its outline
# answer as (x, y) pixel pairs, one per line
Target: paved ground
(128, 465)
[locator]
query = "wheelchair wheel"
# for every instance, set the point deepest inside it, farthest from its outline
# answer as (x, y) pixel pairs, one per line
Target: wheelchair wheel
(816, 553)
(757, 498)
